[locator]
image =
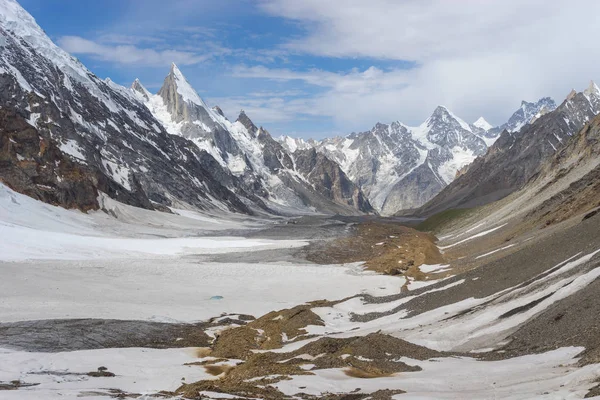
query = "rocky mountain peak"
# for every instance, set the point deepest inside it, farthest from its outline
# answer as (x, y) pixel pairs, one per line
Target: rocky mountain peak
(184, 105)
(218, 110)
(526, 113)
(592, 90)
(571, 94)
(247, 122)
(482, 124)
(443, 116)
(441, 111)
(176, 83)
(138, 88)
(446, 129)
(379, 128)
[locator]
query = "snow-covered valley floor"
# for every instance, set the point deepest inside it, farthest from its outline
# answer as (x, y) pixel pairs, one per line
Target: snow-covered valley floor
(62, 264)
(148, 266)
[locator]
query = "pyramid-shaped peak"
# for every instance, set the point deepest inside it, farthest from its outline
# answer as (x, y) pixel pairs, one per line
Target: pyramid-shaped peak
(175, 71)
(592, 89)
(443, 115)
(441, 109)
(182, 86)
(137, 84)
(572, 94)
(483, 124)
(247, 122)
(137, 87)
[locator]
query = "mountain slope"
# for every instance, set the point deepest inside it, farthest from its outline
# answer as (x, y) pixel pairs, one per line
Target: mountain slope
(68, 135)
(516, 156)
(401, 167)
(261, 164)
(398, 166)
(97, 124)
(526, 114)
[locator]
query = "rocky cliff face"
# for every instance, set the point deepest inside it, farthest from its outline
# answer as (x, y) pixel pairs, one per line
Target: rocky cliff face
(68, 135)
(261, 164)
(517, 156)
(569, 181)
(327, 177)
(401, 167)
(112, 141)
(398, 166)
(526, 114)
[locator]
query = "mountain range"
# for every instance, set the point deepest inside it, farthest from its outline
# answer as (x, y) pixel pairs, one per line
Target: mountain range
(68, 135)
(517, 156)
(402, 167)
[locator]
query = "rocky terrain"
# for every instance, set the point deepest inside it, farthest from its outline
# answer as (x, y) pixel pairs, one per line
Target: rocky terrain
(152, 248)
(517, 156)
(152, 151)
(401, 167)
(513, 281)
(97, 124)
(258, 164)
(171, 149)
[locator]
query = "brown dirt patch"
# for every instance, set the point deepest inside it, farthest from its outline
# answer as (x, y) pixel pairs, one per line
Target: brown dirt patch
(362, 374)
(267, 332)
(217, 370)
(595, 391)
(369, 357)
(387, 248)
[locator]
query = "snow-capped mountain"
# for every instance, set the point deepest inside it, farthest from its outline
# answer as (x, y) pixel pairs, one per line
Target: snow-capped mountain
(403, 167)
(110, 140)
(261, 164)
(516, 156)
(481, 123)
(526, 114)
(398, 166)
(67, 135)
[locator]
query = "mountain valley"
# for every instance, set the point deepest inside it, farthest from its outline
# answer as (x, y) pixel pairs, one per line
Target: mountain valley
(151, 247)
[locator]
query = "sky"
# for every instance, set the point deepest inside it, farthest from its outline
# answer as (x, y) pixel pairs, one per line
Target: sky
(313, 68)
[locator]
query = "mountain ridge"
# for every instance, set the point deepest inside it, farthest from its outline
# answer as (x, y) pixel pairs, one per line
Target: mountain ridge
(262, 164)
(516, 156)
(139, 148)
(402, 167)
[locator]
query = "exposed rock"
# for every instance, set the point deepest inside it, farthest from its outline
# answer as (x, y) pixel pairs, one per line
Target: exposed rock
(328, 178)
(99, 126)
(263, 169)
(515, 157)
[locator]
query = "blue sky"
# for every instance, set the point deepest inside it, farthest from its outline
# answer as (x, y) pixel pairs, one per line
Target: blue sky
(312, 69)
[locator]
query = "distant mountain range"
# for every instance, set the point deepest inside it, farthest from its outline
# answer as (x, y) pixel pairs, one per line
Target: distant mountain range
(401, 167)
(517, 156)
(67, 135)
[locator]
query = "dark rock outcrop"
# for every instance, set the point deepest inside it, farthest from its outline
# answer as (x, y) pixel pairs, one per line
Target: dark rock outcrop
(328, 179)
(516, 156)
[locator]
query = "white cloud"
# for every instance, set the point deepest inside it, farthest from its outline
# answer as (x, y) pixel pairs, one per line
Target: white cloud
(265, 107)
(425, 29)
(129, 54)
(476, 57)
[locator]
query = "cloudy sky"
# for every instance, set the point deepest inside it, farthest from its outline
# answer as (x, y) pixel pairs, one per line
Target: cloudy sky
(314, 68)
